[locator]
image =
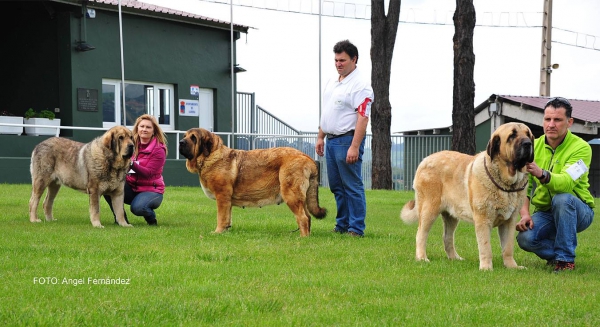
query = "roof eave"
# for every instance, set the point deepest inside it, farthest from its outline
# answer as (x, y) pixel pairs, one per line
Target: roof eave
(160, 15)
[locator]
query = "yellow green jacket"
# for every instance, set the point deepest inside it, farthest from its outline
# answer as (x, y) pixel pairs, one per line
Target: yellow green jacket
(572, 149)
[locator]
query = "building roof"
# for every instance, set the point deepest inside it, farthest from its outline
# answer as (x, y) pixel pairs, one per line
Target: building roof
(584, 110)
(423, 129)
(144, 9)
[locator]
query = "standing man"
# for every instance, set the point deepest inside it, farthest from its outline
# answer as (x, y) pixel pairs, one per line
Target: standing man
(562, 200)
(346, 106)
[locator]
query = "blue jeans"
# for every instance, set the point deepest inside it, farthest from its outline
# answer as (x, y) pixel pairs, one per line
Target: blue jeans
(345, 182)
(554, 233)
(142, 204)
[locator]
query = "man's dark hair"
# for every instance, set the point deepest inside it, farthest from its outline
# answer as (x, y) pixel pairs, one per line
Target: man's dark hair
(559, 102)
(347, 47)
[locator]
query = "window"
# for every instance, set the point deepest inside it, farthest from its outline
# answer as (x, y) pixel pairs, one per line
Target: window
(140, 98)
(110, 103)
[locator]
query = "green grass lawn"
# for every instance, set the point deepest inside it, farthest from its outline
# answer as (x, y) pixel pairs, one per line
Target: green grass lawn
(261, 273)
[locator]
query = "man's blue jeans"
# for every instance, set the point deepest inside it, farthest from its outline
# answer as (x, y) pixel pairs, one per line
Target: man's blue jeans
(554, 233)
(345, 182)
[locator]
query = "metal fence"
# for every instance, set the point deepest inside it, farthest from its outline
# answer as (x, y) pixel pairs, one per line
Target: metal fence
(259, 129)
(252, 119)
(406, 153)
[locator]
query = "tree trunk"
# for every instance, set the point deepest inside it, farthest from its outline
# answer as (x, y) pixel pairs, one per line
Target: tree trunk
(383, 38)
(463, 114)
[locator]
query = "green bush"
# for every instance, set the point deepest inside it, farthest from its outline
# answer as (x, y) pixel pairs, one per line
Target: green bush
(47, 114)
(30, 113)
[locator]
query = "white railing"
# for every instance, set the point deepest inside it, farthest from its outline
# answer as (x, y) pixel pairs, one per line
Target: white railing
(406, 153)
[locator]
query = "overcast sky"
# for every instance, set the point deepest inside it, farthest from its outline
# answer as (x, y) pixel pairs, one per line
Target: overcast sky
(282, 59)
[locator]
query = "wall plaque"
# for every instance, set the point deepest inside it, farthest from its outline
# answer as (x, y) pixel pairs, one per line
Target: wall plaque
(87, 99)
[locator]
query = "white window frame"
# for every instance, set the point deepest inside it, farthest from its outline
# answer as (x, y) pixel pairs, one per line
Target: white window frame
(151, 109)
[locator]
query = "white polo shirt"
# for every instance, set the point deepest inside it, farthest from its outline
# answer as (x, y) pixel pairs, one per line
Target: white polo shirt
(340, 100)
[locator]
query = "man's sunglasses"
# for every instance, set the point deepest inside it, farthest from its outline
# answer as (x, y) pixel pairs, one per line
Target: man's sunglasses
(560, 100)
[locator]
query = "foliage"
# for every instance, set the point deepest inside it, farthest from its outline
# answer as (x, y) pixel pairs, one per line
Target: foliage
(30, 113)
(47, 114)
(260, 273)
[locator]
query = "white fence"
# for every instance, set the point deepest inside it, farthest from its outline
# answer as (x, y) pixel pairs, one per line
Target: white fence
(406, 152)
(259, 129)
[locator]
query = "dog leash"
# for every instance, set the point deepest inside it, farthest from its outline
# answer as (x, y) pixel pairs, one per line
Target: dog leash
(498, 186)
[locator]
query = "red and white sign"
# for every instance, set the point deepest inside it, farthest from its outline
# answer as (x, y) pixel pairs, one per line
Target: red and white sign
(194, 89)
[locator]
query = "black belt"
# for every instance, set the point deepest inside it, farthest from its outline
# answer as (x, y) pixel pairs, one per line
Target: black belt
(348, 133)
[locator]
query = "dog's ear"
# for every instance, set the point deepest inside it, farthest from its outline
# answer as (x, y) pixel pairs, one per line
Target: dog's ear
(493, 147)
(532, 138)
(192, 135)
(108, 140)
(207, 142)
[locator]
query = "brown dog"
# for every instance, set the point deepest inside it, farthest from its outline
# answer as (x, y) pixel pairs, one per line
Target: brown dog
(253, 178)
(96, 168)
(487, 190)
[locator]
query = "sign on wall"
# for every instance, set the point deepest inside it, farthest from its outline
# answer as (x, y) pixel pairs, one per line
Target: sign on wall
(194, 90)
(188, 107)
(87, 99)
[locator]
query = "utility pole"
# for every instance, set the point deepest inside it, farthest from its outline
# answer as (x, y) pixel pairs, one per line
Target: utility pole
(546, 65)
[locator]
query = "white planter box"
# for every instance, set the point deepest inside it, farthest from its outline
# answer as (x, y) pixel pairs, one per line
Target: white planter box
(11, 129)
(35, 131)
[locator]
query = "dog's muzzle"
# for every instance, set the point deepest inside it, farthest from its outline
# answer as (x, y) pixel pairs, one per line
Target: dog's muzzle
(129, 152)
(524, 154)
(184, 149)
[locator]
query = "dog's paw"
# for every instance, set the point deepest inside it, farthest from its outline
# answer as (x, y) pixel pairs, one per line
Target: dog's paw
(511, 264)
(455, 257)
(98, 226)
(486, 265)
(221, 230)
(127, 225)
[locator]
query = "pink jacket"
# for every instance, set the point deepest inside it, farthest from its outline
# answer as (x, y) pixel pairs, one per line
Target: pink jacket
(148, 168)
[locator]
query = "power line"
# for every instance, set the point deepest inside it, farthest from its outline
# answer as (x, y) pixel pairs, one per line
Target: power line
(576, 39)
(345, 10)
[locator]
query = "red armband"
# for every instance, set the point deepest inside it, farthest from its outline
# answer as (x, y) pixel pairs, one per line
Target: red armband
(362, 108)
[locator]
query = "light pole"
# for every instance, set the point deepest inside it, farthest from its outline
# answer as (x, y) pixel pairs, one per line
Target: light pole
(546, 67)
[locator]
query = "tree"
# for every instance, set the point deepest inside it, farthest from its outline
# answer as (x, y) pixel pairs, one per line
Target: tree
(463, 115)
(383, 39)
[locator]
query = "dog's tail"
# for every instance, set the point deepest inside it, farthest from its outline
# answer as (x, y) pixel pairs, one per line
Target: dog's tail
(312, 196)
(409, 212)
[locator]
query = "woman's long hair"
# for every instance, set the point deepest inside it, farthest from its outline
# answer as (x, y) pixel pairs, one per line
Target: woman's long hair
(158, 132)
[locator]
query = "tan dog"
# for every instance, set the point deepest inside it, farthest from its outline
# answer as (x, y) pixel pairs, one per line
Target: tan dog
(487, 190)
(95, 168)
(253, 178)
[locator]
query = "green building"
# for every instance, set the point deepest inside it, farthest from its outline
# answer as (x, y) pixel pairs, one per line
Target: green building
(71, 56)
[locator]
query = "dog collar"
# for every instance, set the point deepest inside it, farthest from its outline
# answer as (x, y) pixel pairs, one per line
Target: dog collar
(500, 187)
